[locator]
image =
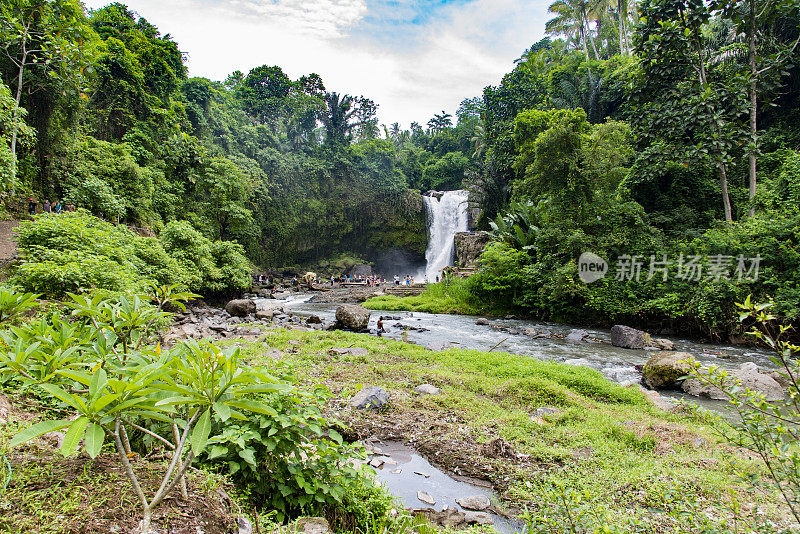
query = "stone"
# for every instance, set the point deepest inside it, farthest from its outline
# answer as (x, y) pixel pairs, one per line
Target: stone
(475, 502)
(427, 389)
(531, 332)
(265, 315)
(352, 317)
(468, 247)
(482, 322)
(244, 525)
(778, 376)
(747, 375)
(477, 518)
(311, 525)
(240, 307)
(352, 351)
(376, 462)
(547, 412)
(314, 319)
(576, 336)
(664, 370)
(370, 398)
(427, 498)
(658, 400)
(628, 338)
(664, 344)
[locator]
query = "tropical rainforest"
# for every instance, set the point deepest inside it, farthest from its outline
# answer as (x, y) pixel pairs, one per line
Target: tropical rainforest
(663, 129)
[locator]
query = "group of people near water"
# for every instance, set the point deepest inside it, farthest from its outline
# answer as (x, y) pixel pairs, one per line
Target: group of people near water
(48, 207)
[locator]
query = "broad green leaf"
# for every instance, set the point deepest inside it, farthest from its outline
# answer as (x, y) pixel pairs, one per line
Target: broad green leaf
(248, 456)
(248, 405)
(222, 410)
(201, 431)
(73, 436)
(94, 439)
(99, 381)
(36, 430)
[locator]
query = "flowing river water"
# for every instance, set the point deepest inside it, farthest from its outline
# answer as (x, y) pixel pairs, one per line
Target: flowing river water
(439, 331)
(401, 475)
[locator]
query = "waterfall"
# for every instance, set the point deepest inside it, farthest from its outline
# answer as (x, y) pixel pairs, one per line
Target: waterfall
(447, 215)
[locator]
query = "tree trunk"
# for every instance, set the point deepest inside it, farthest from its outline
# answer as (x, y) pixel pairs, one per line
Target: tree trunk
(753, 105)
(594, 47)
(15, 114)
(723, 183)
(623, 49)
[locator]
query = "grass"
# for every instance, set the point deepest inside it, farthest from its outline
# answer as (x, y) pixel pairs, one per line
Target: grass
(632, 463)
(453, 296)
(607, 455)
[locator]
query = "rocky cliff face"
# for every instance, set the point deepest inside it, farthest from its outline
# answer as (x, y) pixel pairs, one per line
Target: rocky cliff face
(469, 246)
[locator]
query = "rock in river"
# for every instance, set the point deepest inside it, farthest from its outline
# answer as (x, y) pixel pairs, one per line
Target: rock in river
(663, 370)
(475, 502)
(352, 317)
(370, 398)
(628, 338)
(748, 375)
(240, 307)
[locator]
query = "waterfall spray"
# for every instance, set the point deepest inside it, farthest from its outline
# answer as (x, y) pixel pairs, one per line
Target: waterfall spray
(447, 215)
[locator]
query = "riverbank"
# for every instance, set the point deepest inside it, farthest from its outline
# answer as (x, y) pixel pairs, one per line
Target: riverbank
(453, 297)
(532, 429)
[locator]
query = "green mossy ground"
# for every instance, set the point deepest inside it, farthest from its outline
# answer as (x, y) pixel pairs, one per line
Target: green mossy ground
(634, 466)
(633, 463)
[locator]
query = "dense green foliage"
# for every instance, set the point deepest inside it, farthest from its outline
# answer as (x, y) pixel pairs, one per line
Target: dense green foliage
(101, 366)
(75, 251)
(663, 127)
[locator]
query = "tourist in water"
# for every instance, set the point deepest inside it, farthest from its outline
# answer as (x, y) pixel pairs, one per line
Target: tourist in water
(381, 329)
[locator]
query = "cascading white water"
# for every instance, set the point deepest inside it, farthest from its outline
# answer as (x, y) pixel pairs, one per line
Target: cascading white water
(446, 216)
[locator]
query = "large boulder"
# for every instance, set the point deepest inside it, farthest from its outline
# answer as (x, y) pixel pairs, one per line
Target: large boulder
(468, 246)
(370, 398)
(352, 317)
(747, 375)
(240, 307)
(361, 269)
(628, 338)
(664, 369)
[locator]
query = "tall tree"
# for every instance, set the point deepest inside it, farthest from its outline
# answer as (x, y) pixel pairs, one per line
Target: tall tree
(44, 41)
(772, 42)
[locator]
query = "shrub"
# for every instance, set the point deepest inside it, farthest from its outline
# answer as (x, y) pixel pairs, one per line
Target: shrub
(104, 371)
(75, 251)
(286, 460)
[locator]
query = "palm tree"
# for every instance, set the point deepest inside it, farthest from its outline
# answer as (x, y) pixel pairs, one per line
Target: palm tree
(440, 121)
(478, 140)
(571, 20)
(623, 11)
(336, 118)
(585, 92)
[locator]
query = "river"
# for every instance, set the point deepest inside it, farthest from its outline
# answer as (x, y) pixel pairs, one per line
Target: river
(439, 331)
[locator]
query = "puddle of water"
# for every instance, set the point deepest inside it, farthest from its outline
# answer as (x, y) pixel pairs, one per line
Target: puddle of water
(441, 486)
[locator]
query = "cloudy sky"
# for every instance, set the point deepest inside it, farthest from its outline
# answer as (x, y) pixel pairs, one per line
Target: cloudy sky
(413, 57)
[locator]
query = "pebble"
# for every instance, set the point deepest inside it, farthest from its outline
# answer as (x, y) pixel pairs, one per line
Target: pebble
(426, 498)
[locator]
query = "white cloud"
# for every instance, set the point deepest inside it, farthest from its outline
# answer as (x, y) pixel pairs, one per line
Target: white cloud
(411, 69)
